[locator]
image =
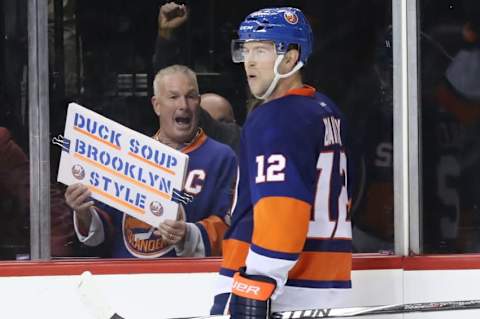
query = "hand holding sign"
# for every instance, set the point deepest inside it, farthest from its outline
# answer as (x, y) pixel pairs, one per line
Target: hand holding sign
(120, 167)
(77, 196)
(174, 231)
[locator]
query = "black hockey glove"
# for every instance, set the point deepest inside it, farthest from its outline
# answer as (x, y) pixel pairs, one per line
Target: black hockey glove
(251, 296)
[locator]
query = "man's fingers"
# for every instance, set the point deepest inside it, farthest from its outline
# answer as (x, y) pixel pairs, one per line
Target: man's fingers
(172, 15)
(72, 189)
(85, 206)
(78, 191)
(172, 223)
(82, 197)
(168, 237)
(171, 231)
(165, 228)
(172, 226)
(77, 197)
(169, 7)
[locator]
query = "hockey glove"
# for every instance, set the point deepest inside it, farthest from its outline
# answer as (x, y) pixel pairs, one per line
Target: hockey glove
(251, 296)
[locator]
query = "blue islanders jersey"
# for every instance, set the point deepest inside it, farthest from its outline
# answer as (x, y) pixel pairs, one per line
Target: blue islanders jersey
(211, 177)
(291, 216)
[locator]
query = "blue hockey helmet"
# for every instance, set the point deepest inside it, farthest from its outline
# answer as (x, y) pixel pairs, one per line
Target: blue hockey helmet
(282, 26)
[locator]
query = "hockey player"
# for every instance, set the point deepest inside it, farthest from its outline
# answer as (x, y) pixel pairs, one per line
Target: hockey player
(211, 176)
(289, 244)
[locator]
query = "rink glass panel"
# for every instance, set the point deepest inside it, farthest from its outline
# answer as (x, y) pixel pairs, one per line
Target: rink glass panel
(450, 118)
(14, 132)
(102, 53)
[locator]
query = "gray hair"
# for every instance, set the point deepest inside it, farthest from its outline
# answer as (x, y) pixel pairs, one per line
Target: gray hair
(172, 69)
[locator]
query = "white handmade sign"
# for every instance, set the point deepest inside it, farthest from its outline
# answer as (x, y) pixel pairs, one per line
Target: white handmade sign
(123, 168)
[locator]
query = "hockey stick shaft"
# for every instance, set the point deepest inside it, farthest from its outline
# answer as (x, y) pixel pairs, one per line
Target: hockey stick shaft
(379, 310)
(98, 305)
(93, 298)
(372, 310)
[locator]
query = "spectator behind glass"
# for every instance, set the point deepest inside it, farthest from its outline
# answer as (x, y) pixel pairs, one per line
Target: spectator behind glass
(199, 230)
(218, 107)
(452, 147)
(170, 49)
(14, 206)
(14, 198)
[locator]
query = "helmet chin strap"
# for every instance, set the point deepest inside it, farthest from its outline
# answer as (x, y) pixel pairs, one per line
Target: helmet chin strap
(278, 76)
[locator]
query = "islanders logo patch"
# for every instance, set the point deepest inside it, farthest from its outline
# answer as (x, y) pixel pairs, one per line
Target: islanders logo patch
(156, 208)
(290, 17)
(141, 240)
(78, 171)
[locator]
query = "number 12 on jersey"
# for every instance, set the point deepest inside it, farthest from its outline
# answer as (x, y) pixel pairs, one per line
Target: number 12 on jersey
(275, 168)
(326, 222)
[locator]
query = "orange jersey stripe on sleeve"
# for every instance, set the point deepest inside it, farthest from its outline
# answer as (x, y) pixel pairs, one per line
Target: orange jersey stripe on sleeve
(234, 253)
(215, 228)
(281, 224)
(322, 266)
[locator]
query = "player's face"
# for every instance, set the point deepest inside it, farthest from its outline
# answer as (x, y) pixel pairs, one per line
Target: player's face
(177, 105)
(259, 62)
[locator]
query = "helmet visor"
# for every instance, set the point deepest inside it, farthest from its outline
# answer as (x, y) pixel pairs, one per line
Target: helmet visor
(243, 51)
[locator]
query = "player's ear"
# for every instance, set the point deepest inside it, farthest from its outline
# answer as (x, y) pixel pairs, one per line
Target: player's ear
(156, 105)
(291, 57)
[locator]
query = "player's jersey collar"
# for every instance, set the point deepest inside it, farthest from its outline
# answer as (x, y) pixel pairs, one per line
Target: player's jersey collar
(306, 90)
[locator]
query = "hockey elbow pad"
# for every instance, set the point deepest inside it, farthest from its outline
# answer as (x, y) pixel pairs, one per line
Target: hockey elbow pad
(251, 296)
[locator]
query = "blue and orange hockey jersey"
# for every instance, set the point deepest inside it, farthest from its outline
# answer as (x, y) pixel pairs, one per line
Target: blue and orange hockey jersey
(290, 221)
(212, 170)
